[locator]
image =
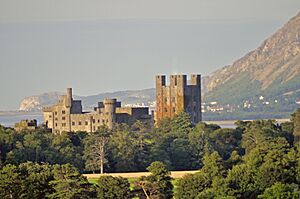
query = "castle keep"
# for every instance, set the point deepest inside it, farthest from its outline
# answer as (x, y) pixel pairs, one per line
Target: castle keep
(179, 96)
(67, 115)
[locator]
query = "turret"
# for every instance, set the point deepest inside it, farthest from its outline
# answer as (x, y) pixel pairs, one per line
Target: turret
(69, 97)
(110, 111)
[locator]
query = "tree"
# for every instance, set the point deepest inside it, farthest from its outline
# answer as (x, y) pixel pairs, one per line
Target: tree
(36, 180)
(191, 185)
(69, 184)
(296, 121)
(257, 132)
(240, 182)
(213, 165)
(95, 150)
(66, 148)
(10, 182)
(200, 142)
(110, 187)
(280, 190)
(158, 184)
(225, 141)
(140, 133)
(181, 124)
(180, 154)
(122, 147)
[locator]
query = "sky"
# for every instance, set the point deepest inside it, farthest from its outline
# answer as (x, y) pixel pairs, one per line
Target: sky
(100, 46)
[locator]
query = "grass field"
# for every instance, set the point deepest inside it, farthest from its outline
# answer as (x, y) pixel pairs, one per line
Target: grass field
(174, 174)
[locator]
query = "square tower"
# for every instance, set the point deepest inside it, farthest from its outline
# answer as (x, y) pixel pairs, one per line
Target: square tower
(178, 96)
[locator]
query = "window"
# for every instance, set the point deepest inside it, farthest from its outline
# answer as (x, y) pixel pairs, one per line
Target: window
(79, 123)
(195, 98)
(55, 113)
(55, 124)
(86, 122)
(64, 124)
(63, 112)
(98, 121)
(63, 118)
(73, 123)
(103, 121)
(174, 110)
(94, 121)
(166, 110)
(50, 116)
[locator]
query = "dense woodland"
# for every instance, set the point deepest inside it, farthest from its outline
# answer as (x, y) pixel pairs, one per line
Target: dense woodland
(259, 159)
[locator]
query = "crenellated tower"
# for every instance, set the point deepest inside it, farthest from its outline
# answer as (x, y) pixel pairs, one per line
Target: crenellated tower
(178, 96)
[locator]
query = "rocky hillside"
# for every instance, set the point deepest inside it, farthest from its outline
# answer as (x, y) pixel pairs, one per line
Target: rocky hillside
(37, 102)
(144, 97)
(273, 69)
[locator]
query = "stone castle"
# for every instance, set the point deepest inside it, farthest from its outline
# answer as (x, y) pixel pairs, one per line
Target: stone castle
(179, 96)
(67, 115)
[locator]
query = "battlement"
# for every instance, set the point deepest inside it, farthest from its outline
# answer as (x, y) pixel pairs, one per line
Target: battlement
(178, 80)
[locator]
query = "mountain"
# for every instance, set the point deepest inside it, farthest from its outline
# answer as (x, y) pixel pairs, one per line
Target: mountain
(144, 97)
(37, 102)
(272, 70)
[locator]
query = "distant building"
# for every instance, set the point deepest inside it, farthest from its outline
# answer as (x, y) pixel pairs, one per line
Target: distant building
(67, 115)
(26, 125)
(179, 96)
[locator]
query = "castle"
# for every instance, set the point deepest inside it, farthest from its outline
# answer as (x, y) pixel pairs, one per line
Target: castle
(67, 115)
(179, 96)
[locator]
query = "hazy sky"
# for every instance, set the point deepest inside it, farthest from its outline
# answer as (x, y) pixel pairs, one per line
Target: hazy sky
(96, 46)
